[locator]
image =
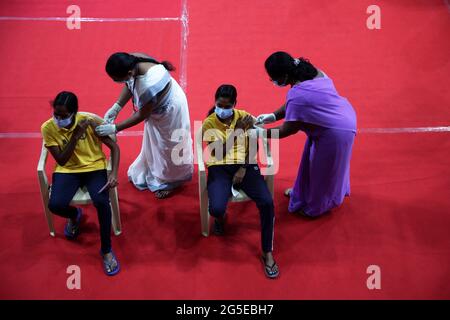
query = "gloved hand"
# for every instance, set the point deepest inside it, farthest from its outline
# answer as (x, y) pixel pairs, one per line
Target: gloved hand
(266, 118)
(106, 129)
(112, 113)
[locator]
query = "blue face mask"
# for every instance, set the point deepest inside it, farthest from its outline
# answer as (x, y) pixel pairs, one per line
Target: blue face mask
(278, 84)
(223, 113)
(61, 123)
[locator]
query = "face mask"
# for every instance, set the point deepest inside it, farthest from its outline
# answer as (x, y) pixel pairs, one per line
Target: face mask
(278, 84)
(223, 113)
(61, 123)
(121, 81)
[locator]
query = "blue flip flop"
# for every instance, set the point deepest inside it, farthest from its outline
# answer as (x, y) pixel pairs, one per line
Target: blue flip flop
(107, 266)
(72, 231)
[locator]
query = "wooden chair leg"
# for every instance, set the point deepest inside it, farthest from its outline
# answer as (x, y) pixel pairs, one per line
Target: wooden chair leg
(48, 214)
(115, 210)
(203, 197)
(204, 216)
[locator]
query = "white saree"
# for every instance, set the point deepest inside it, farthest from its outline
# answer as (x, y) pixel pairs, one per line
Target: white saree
(166, 157)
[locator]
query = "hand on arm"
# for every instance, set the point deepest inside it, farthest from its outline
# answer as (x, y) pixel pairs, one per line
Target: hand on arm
(62, 156)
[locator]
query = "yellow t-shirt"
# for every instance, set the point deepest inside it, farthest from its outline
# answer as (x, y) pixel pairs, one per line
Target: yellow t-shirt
(87, 155)
(215, 131)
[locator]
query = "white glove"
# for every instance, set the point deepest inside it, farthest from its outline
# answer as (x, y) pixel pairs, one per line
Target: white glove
(266, 118)
(106, 129)
(112, 113)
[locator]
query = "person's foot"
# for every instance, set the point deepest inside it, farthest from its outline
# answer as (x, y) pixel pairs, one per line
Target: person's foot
(288, 192)
(72, 228)
(110, 264)
(219, 226)
(161, 194)
(270, 266)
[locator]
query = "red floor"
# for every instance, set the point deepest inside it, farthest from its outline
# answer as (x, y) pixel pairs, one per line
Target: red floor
(397, 216)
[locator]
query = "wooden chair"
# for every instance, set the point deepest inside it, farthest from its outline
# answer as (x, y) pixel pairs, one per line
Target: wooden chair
(202, 184)
(82, 196)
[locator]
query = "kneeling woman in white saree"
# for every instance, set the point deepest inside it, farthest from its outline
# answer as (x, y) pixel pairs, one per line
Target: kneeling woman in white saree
(166, 157)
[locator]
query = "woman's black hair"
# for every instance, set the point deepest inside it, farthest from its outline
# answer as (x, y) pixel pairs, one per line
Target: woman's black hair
(281, 63)
(225, 91)
(120, 63)
(68, 99)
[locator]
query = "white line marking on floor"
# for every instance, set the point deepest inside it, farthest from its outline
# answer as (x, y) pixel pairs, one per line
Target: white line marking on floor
(85, 19)
(184, 44)
(405, 130)
(18, 135)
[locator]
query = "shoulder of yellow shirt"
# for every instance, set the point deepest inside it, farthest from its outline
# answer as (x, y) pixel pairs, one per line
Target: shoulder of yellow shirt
(209, 121)
(50, 125)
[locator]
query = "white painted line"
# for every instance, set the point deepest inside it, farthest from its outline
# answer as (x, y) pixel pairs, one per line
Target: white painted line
(405, 130)
(184, 44)
(90, 19)
(18, 135)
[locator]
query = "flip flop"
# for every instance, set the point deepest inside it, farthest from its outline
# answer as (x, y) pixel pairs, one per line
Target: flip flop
(107, 266)
(162, 194)
(72, 231)
(269, 270)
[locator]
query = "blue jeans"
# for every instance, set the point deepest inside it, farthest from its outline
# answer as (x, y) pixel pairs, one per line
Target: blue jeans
(64, 187)
(220, 179)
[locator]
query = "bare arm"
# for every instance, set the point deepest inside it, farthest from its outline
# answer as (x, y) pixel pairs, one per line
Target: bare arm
(286, 129)
(62, 156)
(136, 118)
(115, 154)
(280, 113)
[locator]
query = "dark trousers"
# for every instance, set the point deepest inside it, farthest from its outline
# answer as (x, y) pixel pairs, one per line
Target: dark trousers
(64, 187)
(220, 179)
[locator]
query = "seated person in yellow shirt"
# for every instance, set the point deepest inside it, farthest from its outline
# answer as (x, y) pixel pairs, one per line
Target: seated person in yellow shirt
(71, 139)
(225, 131)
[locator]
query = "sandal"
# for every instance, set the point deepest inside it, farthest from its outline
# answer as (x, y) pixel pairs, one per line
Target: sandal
(271, 272)
(161, 194)
(108, 265)
(72, 230)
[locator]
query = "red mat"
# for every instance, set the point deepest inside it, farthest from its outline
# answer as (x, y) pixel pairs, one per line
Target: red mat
(397, 216)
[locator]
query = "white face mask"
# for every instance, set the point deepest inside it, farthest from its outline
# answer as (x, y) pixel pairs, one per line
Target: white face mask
(61, 123)
(122, 81)
(223, 113)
